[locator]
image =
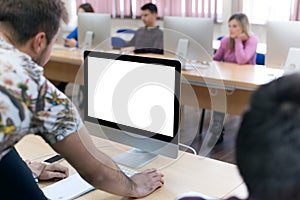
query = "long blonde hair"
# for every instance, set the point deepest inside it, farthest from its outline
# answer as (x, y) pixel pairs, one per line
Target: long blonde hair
(244, 22)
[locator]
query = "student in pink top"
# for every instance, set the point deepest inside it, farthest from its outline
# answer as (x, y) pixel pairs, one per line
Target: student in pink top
(239, 46)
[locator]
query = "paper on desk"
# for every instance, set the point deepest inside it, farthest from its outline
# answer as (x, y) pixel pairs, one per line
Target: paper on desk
(69, 188)
(195, 194)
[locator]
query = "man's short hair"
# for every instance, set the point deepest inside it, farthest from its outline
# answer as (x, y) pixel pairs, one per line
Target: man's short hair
(25, 18)
(151, 7)
(268, 142)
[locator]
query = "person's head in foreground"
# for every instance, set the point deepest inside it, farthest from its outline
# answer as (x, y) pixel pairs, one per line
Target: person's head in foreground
(32, 25)
(268, 142)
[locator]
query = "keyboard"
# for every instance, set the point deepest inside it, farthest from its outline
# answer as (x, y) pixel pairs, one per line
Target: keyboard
(62, 47)
(127, 171)
(195, 65)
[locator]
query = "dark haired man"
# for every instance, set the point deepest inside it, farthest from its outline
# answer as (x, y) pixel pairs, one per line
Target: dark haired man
(148, 39)
(268, 142)
(29, 103)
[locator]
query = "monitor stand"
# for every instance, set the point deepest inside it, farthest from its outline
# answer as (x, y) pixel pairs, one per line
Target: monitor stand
(88, 40)
(134, 158)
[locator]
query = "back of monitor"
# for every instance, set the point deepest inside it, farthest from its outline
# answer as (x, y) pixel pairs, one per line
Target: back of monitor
(292, 63)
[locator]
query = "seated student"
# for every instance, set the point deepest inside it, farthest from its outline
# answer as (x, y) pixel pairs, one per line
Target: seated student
(268, 142)
(148, 39)
(30, 104)
(240, 46)
(72, 39)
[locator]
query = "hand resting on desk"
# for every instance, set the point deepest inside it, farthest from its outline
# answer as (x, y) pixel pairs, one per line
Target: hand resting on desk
(151, 179)
(44, 171)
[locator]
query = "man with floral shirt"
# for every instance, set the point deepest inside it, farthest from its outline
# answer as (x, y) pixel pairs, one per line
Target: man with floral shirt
(30, 104)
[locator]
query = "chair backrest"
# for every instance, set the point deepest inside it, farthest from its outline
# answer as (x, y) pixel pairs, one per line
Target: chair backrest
(260, 59)
(292, 62)
(126, 30)
(118, 42)
(220, 37)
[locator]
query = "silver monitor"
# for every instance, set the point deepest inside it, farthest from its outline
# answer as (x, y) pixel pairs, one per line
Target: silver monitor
(134, 101)
(94, 28)
(281, 36)
(199, 32)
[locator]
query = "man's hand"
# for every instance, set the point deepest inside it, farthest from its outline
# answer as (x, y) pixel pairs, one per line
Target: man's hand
(146, 182)
(54, 171)
(46, 171)
(127, 50)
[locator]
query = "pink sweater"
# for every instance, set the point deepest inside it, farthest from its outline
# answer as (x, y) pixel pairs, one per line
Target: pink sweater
(243, 53)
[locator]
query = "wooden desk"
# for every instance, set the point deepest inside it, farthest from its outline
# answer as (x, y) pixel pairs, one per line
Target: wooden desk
(63, 65)
(187, 173)
(224, 87)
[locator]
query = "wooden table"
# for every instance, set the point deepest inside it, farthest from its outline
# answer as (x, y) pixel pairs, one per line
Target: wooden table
(224, 87)
(187, 173)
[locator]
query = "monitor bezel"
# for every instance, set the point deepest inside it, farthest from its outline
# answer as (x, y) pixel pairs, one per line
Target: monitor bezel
(138, 59)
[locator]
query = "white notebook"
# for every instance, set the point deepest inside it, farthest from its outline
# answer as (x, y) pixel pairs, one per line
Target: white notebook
(68, 188)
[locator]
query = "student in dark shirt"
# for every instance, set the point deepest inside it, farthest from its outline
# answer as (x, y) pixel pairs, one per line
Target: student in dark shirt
(268, 142)
(148, 39)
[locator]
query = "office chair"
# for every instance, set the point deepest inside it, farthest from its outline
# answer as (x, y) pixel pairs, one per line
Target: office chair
(220, 37)
(126, 30)
(118, 42)
(260, 59)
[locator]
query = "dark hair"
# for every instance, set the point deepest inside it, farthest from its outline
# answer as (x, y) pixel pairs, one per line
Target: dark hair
(150, 6)
(23, 19)
(243, 20)
(268, 142)
(87, 7)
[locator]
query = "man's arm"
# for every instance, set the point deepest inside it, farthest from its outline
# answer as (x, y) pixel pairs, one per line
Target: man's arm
(99, 170)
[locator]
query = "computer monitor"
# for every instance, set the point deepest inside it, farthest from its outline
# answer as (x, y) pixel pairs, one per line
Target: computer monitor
(95, 26)
(198, 31)
(134, 101)
(281, 36)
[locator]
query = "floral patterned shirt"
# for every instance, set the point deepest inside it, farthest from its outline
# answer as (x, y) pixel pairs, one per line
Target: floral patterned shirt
(29, 103)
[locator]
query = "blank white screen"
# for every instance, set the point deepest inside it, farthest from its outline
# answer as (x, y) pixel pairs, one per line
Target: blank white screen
(133, 94)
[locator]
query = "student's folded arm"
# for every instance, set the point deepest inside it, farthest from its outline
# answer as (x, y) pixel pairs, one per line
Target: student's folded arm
(244, 54)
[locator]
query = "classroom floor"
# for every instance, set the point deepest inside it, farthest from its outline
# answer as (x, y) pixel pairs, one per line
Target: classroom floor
(189, 130)
(189, 134)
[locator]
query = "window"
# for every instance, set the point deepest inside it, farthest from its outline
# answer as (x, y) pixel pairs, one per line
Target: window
(131, 8)
(259, 12)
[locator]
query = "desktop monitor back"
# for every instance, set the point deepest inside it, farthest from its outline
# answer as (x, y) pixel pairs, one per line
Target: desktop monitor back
(198, 31)
(130, 101)
(281, 36)
(99, 25)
